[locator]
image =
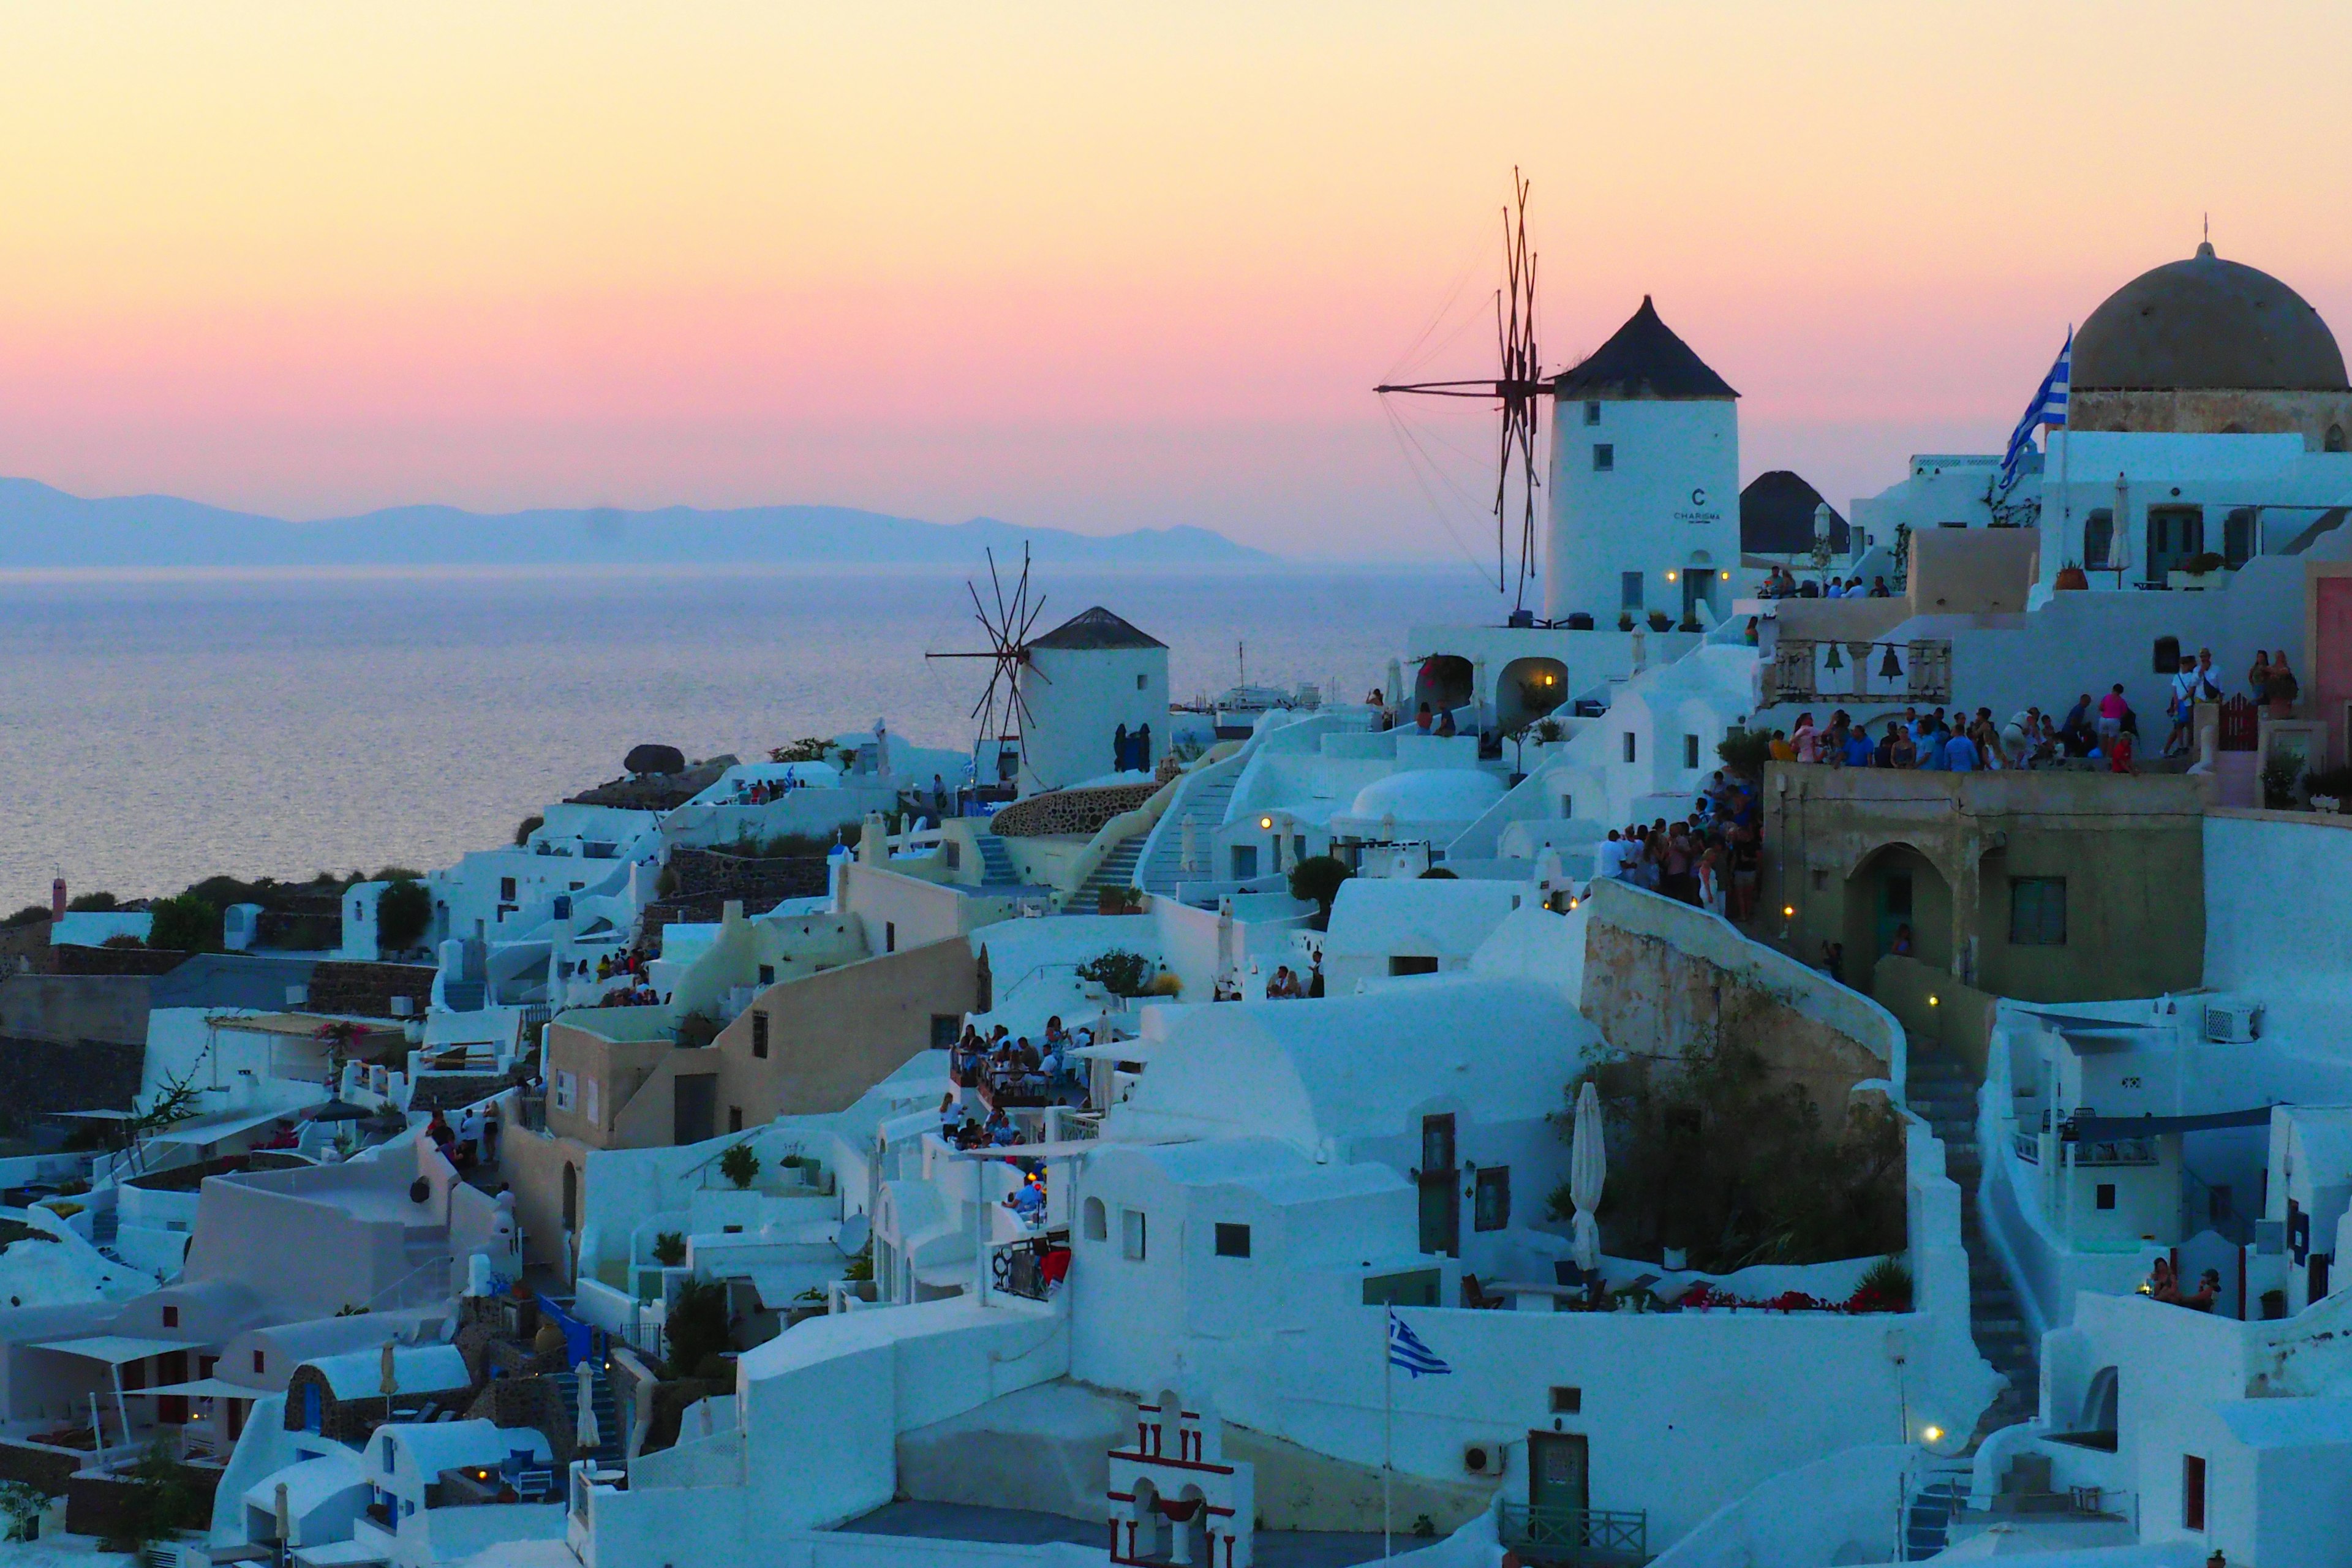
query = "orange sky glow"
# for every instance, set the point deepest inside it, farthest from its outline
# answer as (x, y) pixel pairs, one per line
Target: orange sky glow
(1096, 268)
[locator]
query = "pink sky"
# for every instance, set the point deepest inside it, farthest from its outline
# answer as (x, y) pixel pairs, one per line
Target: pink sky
(1093, 271)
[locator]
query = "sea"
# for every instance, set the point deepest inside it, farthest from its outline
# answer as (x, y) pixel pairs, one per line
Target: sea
(160, 727)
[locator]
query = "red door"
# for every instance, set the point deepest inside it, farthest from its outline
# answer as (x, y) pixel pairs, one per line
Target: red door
(2331, 659)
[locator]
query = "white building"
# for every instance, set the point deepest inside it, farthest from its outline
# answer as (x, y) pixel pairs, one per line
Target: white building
(1093, 701)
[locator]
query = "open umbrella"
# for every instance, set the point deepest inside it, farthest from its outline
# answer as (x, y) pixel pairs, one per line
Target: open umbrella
(586, 1435)
(339, 1110)
(1587, 1166)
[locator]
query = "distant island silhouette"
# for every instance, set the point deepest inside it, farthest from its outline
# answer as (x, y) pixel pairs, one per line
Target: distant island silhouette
(44, 527)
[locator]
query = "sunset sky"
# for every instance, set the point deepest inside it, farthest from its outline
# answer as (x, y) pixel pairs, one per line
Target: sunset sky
(1090, 266)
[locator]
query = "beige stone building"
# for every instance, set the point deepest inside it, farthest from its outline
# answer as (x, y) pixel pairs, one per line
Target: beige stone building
(2046, 886)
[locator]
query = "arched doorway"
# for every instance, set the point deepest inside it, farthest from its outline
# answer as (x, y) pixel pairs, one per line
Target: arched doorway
(1699, 584)
(1445, 681)
(1896, 887)
(571, 1197)
(1530, 688)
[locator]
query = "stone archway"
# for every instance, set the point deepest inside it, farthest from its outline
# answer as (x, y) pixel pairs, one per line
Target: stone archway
(1529, 688)
(1445, 680)
(1893, 887)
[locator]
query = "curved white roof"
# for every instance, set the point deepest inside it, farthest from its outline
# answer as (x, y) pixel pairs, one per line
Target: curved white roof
(437, 1446)
(1330, 1073)
(1429, 794)
(418, 1369)
(309, 1483)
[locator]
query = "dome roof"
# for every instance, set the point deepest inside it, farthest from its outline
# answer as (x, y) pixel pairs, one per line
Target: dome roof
(1429, 794)
(2207, 323)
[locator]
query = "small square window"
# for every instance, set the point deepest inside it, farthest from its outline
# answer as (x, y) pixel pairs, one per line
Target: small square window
(734, 1119)
(1232, 1241)
(1630, 593)
(758, 1033)
(767, 974)
(171, 1317)
(1593, 413)
(889, 936)
(1138, 680)
(1605, 457)
(2037, 912)
(1567, 1401)
(2106, 1199)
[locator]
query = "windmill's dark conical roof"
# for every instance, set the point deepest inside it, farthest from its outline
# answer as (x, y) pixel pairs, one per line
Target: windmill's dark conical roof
(1775, 516)
(1644, 359)
(1095, 628)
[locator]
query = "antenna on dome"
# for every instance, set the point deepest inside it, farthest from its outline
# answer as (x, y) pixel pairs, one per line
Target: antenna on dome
(1517, 388)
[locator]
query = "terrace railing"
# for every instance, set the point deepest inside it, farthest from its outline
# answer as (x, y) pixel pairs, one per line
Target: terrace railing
(1577, 1537)
(1804, 669)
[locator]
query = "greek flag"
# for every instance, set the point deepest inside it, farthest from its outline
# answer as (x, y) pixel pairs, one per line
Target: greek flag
(1406, 1351)
(2048, 407)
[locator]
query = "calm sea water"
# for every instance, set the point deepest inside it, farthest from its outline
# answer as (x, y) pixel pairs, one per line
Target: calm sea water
(157, 730)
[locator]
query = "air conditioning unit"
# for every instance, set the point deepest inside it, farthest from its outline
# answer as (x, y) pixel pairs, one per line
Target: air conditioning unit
(1483, 1458)
(2233, 1022)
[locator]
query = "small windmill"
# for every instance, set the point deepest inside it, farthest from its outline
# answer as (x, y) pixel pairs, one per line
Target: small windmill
(1002, 711)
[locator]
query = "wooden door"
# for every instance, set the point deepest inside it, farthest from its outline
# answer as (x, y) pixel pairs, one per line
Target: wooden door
(694, 1107)
(1441, 1196)
(1559, 1469)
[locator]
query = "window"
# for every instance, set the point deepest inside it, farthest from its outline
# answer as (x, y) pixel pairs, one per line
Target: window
(1244, 862)
(1138, 680)
(767, 974)
(1436, 1144)
(1490, 1207)
(1690, 751)
(1605, 457)
(1096, 1228)
(1232, 1241)
(505, 889)
(1567, 1401)
(1593, 413)
(588, 1098)
(734, 1119)
(1631, 749)
(2098, 537)
(2166, 659)
(2106, 1198)
(1411, 963)
(2037, 912)
(1130, 1235)
(1298, 848)
(2192, 1492)
(2335, 439)
(566, 1087)
(889, 936)
(260, 1363)
(1629, 590)
(2237, 537)
(759, 1034)
(171, 1317)
(945, 1027)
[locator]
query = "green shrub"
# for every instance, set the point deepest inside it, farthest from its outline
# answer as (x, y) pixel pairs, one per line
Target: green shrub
(1317, 879)
(807, 749)
(1745, 752)
(31, 914)
(697, 1030)
(83, 903)
(402, 915)
(739, 1165)
(526, 827)
(1886, 1285)
(185, 924)
(1119, 971)
(698, 1324)
(158, 1500)
(670, 1250)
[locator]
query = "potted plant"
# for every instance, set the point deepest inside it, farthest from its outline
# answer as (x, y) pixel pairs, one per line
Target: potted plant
(2199, 571)
(1624, 620)
(739, 1165)
(670, 1250)
(2072, 578)
(1660, 621)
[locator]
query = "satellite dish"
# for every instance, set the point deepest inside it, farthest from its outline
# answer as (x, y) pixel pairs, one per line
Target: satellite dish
(855, 1232)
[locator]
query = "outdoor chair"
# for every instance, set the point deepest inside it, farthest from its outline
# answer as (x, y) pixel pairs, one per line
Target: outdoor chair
(1472, 1296)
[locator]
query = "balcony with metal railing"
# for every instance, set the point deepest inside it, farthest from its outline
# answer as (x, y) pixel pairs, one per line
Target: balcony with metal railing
(1576, 1537)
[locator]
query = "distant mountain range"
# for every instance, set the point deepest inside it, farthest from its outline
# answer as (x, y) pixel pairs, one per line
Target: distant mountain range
(41, 526)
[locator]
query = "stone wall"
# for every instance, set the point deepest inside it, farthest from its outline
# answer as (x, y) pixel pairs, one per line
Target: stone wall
(74, 1007)
(111, 961)
(1654, 995)
(1079, 813)
(366, 990)
(51, 1469)
(95, 1502)
(40, 1077)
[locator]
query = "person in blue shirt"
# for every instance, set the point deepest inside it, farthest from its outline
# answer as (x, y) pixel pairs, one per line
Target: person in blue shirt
(1960, 754)
(1931, 748)
(1857, 748)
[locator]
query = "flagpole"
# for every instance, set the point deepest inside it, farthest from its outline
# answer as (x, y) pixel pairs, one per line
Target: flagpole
(2066, 456)
(1388, 1425)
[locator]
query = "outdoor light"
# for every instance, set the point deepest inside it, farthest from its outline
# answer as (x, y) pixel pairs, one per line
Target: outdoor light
(1788, 911)
(1266, 822)
(1670, 576)
(1935, 1002)
(1726, 576)
(1933, 1434)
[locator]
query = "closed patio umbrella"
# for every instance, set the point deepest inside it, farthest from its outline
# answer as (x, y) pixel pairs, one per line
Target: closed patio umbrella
(1587, 1166)
(586, 1433)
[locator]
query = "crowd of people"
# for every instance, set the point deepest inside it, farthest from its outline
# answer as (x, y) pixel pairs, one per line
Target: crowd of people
(1015, 1071)
(1710, 858)
(2103, 730)
(627, 965)
(1781, 584)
